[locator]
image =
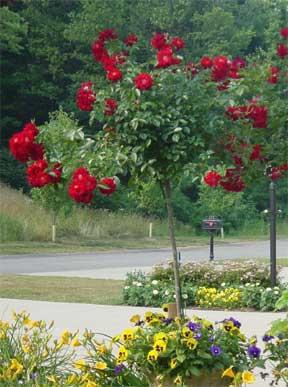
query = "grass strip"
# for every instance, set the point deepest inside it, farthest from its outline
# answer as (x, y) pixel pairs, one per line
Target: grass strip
(62, 289)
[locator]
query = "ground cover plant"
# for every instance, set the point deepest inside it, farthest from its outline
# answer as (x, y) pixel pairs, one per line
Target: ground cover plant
(226, 285)
(154, 350)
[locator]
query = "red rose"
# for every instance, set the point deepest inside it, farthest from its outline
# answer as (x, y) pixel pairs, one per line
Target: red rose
(177, 43)
(22, 145)
(82, 186)
(256, 153)
(131, 40)
(274, 75)
(259, 115)
(282, 50)
(284, 32)
(206, 62)
(158, 41)
(107, 185)
(110, 106)
(114, 75)
(37, 175)
(284, 167)
(232, 181)
(238, 162)
(275, 173)
(85, 97)
(236, 112)
(221, 67)
(108, 34)
(109, 63)
(165, 58)
(143, 81)
(212, 178)
(237, 63)
(99, 51)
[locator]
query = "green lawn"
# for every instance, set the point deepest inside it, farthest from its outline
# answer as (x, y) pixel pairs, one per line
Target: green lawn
(61, 289)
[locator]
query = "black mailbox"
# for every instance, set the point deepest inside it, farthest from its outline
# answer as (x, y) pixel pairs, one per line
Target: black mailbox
(211, 224)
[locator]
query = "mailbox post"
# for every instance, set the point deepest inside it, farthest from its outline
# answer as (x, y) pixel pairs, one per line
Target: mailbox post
(211, 225)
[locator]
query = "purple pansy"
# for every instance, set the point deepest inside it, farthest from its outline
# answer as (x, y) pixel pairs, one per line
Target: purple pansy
(215, 350)
(254, 351)
(118, 369)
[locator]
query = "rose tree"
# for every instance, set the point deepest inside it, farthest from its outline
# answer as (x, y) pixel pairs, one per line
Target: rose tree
(167, 116)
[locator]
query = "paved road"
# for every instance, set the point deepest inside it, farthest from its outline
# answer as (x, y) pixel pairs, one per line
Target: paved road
(115, 264)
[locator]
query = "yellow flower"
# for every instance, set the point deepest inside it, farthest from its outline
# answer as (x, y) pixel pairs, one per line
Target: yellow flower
(65, 337)
(25, 343)
(90, 383)
(161, 336)
(228, 372)
(72, 379)
(152, 355)
(122, 354)
(127, 334)
(253, 340)
(101, 349)
(148, 316)
(52, 379)
(136, 318)
(15, 368)
(228, 325)
(172, 334)
(173, 363)
(186, 332)
(191, 343)
(75, 342)
(160, 346)
(100, 365)
(80, 364)
(248, 377)
(178, 380)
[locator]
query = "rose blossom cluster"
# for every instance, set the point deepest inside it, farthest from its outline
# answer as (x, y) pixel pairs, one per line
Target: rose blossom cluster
(38, 174)
(257, 114)
(110, 63)
(282, 49)
(22, 144)
(85, 97)
(165, 49)
(82, 186)
(231, 181)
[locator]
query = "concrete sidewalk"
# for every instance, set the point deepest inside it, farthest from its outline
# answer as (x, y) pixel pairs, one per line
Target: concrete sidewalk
(112, 320)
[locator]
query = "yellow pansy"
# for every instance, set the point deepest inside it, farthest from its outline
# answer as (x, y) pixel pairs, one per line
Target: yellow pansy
(152, 355)
(127, 334)
(122, 353)
(161, 336)
(248, 377)
(173, 363)
(172, 334)
(160, 346)
(229, 372)
(148, 316)
(80, 364)
(100, 365)
(136, 318)
(191, 343)
(186, 332)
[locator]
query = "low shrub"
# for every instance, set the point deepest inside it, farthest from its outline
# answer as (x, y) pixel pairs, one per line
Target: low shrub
(157, 288)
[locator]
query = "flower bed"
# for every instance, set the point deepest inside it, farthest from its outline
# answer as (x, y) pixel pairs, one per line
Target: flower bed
(235, 285)
(155, 351)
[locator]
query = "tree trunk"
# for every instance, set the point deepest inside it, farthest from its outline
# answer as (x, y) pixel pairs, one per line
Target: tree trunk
(167, 193)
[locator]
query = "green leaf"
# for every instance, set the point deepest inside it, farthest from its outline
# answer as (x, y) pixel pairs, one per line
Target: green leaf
(175, 137)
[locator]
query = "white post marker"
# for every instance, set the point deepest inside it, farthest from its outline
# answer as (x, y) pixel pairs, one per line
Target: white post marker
(150, 230)
(54, 233)
(222, 232)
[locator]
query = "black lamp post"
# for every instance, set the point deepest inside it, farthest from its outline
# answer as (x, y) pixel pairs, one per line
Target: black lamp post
(211, 225)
